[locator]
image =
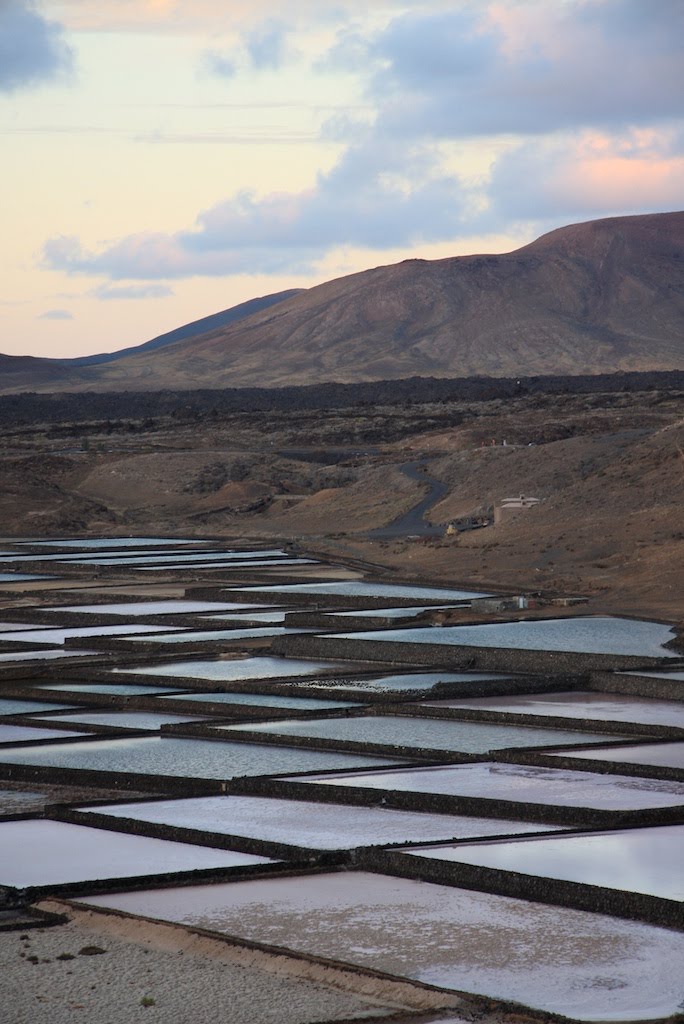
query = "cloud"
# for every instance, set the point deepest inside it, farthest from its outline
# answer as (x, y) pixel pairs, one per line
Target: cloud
(376, 197)
(32, 49)
(588, 175)
(532, 68)
(266, 44)
(56, 314)
(107, 292)
(217, 63)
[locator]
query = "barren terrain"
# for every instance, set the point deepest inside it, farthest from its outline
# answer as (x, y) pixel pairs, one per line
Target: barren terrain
(608, 470)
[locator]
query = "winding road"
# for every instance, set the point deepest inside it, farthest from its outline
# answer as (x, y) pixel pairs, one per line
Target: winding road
(412, 523)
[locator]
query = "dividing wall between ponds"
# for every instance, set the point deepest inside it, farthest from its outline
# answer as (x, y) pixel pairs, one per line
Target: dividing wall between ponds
(459, 657)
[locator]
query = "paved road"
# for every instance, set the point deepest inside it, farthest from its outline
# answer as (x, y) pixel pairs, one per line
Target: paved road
(412, 523)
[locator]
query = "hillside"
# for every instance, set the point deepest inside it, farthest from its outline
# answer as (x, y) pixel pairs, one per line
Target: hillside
(590, 298)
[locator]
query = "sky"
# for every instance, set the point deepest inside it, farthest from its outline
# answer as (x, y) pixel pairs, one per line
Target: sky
(166, 159)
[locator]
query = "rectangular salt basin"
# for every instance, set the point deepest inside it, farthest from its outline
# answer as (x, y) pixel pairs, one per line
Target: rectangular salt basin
(188, 758)
(242, 565)
(58, 636)
(585, 966)
(234, 670)
(19, 577)
(362, 588)
(55, 853)
(265, 700)
(644, 860)
(603, 707)
(426, 733)
(125, 719)
(594, 634)
(181, 558)
(411, 681)
(43, 655)
(215, 635)
(392, 613)
(112, 542)
(276, 616)
(28, 733)
(314, 826)
(171, 607)
(662, 755)
(116, 689)
(26, 707)
(657, 675)
(519, 782)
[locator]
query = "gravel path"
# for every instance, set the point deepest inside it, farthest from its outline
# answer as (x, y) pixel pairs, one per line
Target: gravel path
(47, 977)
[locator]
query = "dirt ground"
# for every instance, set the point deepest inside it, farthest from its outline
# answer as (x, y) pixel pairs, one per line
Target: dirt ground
(608, 470)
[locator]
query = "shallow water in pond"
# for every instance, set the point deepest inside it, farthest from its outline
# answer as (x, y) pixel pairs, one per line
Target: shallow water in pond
(267, 700)
(55, 852)
(392, 613)
(27, 707)
(43, 655)
(181, 558)
(411, 681)
(275, 616)
(585, 966)
(523, 783)
(361, 588)
(664, 755)
(24, 733)
(127, 719)
(313, 825)
(19, 577)
(171, 607)
(113, 542)
(645, 860)
(426, 733)
(58, 636)
(232, 670)
(585, 635)
(604, 707)
(201, 759)
(215, 635)
(117, 689)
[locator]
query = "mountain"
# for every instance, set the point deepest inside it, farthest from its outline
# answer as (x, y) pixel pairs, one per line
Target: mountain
(595, 297)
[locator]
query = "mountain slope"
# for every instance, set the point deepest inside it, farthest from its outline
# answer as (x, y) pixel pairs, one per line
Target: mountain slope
(589, 298)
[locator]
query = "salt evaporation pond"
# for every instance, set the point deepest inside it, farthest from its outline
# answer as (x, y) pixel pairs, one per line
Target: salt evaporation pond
(27, 707)
(583, 635)
(311, 825)
(115, 689)
(113, 542)
(679, 676)
(19, 577)
(392, 613)
(661, 755)
(582, 965)
(277, 616)
(234, 670)
(214, 635)
(180, 558)
(188, 758)
(583, 704)
(43, 655)
(125, 719)
(172, 607)
(522, 783)
(426, 733)
(644, 860)
(270, 563)
(410, 681)
(361, 588)
(55, 852)
(266, 700)
(28, 733)
(8, 627)
(58, 636)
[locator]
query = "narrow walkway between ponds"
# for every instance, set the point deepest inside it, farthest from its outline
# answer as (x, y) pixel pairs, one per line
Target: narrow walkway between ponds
(412, 523)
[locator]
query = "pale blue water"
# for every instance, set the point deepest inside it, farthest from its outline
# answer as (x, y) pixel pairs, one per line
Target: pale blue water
(171, 607)
(586, 635)
(243, 565)
(26, 707)
(361, 588)
(200, 759)
(431, 734)
(267, 700)
(44, 655)
(22, 733)
(182, 557)
(117, 689)
(112, 542)
(392, 613)
(252, 616)
(19, 577)
(645, 860)
(214, 635)
(58, 636)
(232, 670)
(126, 719)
